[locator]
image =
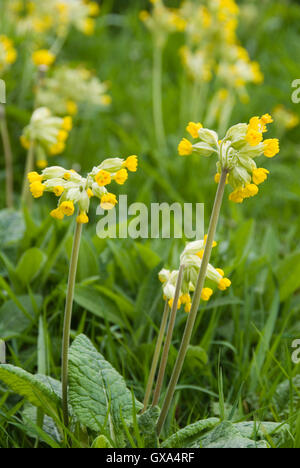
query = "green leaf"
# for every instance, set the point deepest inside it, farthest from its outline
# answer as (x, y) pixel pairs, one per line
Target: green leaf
(94, 302)
(147, 424)
(186, 436)
(101, 442)
(12, 320)
(12, 227)
(30, 265)
(40, 391)
(263, 429)
(98, 393)
(288, 275)
(226, 435)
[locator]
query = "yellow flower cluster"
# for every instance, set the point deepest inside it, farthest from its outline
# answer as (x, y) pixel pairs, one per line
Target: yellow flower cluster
(162, 21)
(236, 153)
(73, 189)
(8, 53)
(191, 258)
(58, 15)
(66, 87)
(212, 47)
(47, 134)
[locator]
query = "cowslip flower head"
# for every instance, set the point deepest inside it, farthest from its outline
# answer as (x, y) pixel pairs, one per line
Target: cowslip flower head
(66, 87)
(191, 258)
(38, 17)
(8, 53)
(236, 153)
(47, 133)
(72, 189)
(162, 21)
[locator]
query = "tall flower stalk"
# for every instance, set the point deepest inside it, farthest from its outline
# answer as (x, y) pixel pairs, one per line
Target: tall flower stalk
(67, 320)
(8, 155)
(236, 154)
(156, 356)
(73, 189)
(164, 359)
(195, 304)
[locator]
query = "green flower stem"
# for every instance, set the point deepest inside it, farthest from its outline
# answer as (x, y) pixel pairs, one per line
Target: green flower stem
(67, 320)
(157, 97)
(165, 353)
(156, 355)
(28, 168)
(195, 305)
(8, 158)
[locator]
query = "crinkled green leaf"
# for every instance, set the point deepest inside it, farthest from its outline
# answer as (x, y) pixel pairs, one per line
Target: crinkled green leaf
(40, 391)
(97, 392)
(189, 434)
(29, 416)
(147, 424)
(260, 430)
(226, 435)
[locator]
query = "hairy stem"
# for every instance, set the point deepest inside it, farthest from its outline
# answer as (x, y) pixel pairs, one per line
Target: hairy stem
(165, 354)
(67, 320)
(156, 356)
(195, 304)
(8, 159)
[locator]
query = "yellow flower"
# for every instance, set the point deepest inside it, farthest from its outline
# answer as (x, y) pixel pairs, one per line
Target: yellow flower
(41, 163)
(67, 208)
(131, 163)
(224, 284)
(266, 119)
(254, 137)
(185, 147)
(271, 147)
(90, 193)
(58, 148)
(250, 191)
(217, 178)
(121, 176)
(37, 189)
(171, 301)
(82, 218)
(221, 272)
(58, 190)
(67, 123)
(57, 214)
(43, 57)
(72, 107)
(88, 27)
(206, 294)
(67, 175)
(260, 175)
(108, 201)
(193, 129)
(62, 136)
(103, 178)
(34, 177)
(94, 9)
